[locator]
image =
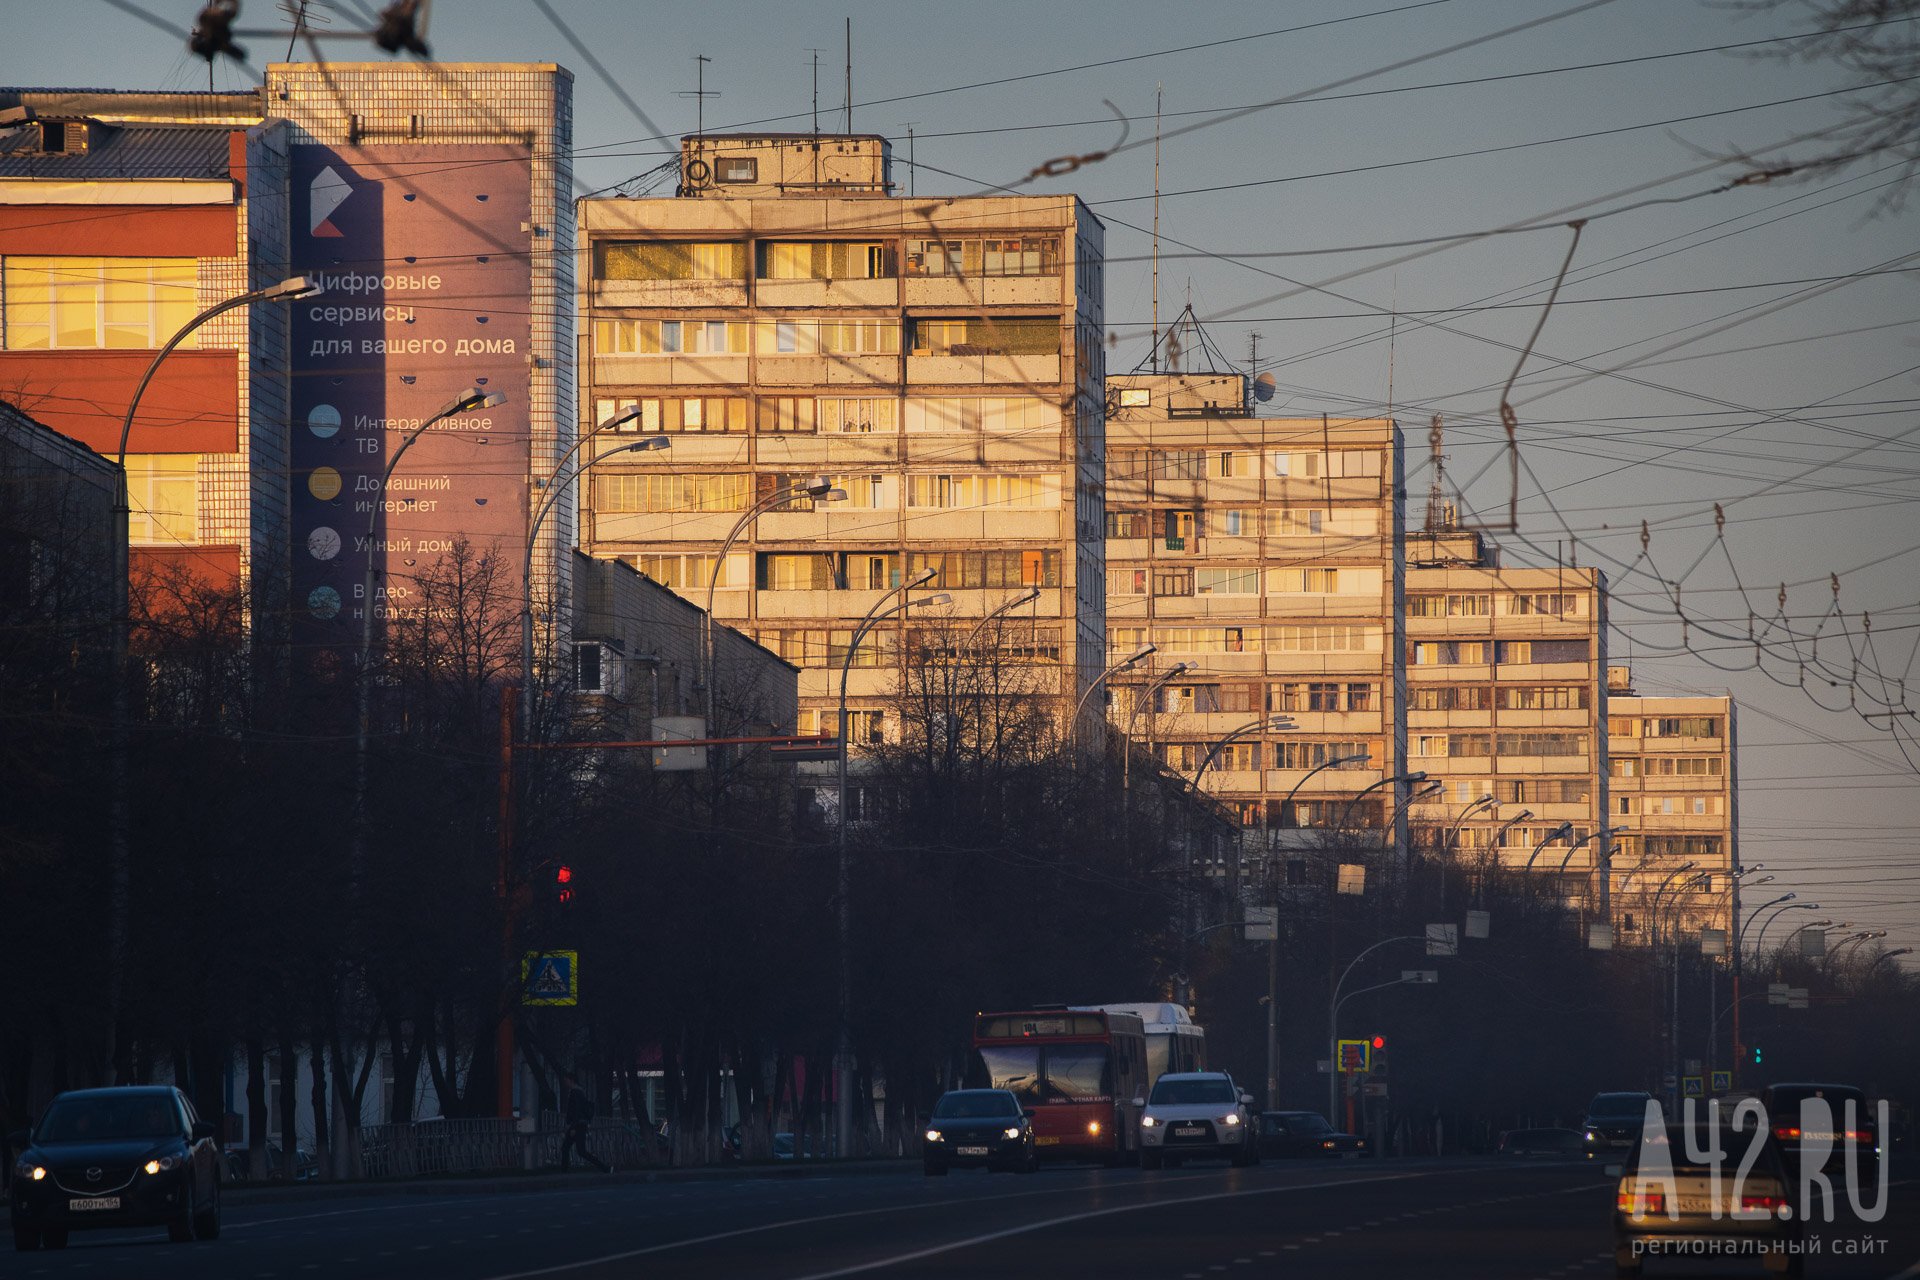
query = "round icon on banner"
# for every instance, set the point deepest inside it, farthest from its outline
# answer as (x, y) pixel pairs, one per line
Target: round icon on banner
(323, 543)
(324, 603)
(324, 483)
(323, 420)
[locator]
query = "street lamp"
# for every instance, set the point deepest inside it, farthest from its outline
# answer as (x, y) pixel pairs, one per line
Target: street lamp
(1560, 832)
(1025, 597)
(526, 570)
(1408, 778)
(1127, 663)
(1740, 942)
(843, 1065)
(1144, 698)
(1608, 832)
(119, 859)
(819, 488)
(1882, 958)
(1760, 943)
(1270, 724)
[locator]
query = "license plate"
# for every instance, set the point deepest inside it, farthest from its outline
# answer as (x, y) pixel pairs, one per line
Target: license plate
(95, 1202)
(973, 1151)
(1046, 1142)
(1188, 1131)
(1695, 1208)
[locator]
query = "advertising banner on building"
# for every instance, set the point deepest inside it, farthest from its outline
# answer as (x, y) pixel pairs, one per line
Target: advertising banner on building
(423, 253)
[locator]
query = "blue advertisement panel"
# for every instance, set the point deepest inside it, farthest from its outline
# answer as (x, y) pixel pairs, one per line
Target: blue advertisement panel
(423, 255)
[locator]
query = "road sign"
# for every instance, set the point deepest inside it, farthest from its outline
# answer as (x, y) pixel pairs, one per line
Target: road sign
(1690, 1087)
(1713, 942)
(1479, 924)
(1422, 976)
(1353, 878)
(1693, 1066)
(1600, 937)
(550, 978)
(1352, 1055)
(1323, 1066)
(1776, 993)
(1796, 997)
(1443, 939)
(1668, 1081)
(1722, 1081)
(1262, 923)
(1374, 1089)
(679, 759)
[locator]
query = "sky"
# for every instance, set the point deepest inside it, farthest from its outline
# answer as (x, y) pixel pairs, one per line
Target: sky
(1754, 346)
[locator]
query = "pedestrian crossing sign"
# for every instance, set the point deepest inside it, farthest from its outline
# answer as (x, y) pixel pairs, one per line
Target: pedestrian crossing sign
(1722, 1081)
(1690, 1087)
(549, 978)
(1352, 1056)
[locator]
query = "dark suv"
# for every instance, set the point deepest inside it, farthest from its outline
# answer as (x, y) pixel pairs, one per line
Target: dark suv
(116, 1158)
(1613, 1123)
(984, 1127)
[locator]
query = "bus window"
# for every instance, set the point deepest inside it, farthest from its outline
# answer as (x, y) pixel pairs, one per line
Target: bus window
(1013, 1067)
(1079, 1072)
(1157, 1057)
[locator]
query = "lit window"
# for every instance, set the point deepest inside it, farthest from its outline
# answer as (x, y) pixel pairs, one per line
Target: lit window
(163, 491)
(1135, 397)
(82, 303)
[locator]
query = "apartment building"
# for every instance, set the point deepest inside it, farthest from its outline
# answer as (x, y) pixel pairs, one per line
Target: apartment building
(1260, 552)
(788, 315)
(1673, 779)
(122, 216)
(1506, 709)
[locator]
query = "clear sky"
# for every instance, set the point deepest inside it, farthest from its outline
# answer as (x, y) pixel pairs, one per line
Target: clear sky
(1759, 378)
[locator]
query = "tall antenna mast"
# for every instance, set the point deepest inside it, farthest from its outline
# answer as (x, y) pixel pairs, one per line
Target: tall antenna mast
(1156, 228)
(849, 75)
(816, 92)
(913, 170)
(700, 93)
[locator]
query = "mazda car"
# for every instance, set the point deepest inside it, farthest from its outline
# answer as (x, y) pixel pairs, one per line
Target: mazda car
(984, 1128)
(1197, 1115)
(116, 1158)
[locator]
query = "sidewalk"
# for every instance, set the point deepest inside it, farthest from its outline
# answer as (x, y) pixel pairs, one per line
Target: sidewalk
(240, 1193)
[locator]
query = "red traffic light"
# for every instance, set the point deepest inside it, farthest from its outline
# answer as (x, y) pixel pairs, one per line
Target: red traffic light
(1379, 1042)
(564, 875)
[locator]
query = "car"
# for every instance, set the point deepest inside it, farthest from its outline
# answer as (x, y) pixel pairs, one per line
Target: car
(1197, 1115)
(986, 1128)
(1542, 1144)
(1671, 1201)
(116, 1158)
(1286, 1134)
(1794, 1125)
(1613, 1123)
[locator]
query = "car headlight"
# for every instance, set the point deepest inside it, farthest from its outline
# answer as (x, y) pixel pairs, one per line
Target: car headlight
(1093, 1126)
(933, 1135)
(38, 1173)
(164, 1162)
(1232, 1119)
(1591, 1137)
(1013, 1131)
(1147, 1122)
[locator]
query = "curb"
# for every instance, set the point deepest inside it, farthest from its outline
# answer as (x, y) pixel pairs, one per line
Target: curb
(482, 1184)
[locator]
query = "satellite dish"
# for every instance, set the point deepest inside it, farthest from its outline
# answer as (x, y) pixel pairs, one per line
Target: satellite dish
(1263, 387)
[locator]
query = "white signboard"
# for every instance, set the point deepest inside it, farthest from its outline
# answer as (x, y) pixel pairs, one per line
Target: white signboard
(1262, 924)
(1353, 878)
(1600, 937)
(679, 759)
(1478, 924)
(1713, 942)
(1443, 939)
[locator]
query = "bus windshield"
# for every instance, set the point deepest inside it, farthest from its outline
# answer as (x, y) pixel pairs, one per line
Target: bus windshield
(1036, 1074)
(1013, 1067)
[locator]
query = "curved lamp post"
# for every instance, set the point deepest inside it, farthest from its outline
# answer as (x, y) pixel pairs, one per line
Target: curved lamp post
(1419, 775)
(843, 1064)
(1760, 943)
(1882, 958)
(1740, 942)
(1334, 1002)
(119, 857)
(533, 532)
(1125, 664)
(1608, 832)
(1560, 832)
(1146, 696)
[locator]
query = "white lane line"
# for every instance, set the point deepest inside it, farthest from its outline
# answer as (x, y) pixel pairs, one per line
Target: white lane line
(332, 1213)
(936, 1204)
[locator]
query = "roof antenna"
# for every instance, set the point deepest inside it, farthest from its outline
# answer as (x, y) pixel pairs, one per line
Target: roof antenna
(816, 93)
(1156, 227)
(700, 94)
(849, 75)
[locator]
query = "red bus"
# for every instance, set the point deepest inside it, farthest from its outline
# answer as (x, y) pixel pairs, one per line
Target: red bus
(1076, 1070)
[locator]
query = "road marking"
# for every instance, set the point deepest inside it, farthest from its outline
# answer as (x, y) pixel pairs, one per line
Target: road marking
(332, 1213)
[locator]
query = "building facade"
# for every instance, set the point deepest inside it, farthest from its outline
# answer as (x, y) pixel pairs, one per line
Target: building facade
(1260, 552)
(938, 360)
(1674, 780)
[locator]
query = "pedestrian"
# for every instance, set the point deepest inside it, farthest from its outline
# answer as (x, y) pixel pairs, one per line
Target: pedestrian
(579, 1117)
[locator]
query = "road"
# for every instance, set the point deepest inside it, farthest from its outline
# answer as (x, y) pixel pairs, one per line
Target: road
(1455, 1218)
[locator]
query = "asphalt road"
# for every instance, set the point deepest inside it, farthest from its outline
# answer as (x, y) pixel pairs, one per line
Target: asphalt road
(1429, 1218)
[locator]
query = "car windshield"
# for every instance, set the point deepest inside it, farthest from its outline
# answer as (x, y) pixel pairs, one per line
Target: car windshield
(1632, 1105)
(106, 1119)
(1169, 1092)
(975, 1106)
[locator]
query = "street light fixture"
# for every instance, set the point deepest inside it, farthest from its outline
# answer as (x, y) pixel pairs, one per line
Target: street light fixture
(1127, 663)
(1560, 832)
(843, 1059)
(1142, 700)
(1760, 943)
(119, 857)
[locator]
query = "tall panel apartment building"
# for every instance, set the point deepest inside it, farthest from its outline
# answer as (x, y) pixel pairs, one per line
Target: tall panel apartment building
(1507, 700)
(1675, 782)
(1261, 552)
(122, 216)
(787, 316)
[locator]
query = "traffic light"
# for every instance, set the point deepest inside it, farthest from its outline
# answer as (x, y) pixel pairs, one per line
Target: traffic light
(1377, 1059)
(1756, 1056)
(1379, 1042)
(563, 882)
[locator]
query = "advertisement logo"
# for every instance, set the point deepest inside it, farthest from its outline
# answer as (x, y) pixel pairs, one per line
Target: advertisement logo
(328, 192)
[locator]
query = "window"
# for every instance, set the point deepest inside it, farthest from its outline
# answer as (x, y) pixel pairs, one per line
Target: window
(1346, 463)
(1135, 397)
(1623, 766)
(1235, 465)
(1172, 582)
(1129, 524)
(1543, 744)
(1233, 522)
(1545, 791)
(1207, 639)
(976, 256)
(1126, 582)
(1291, 754)
(1124, 640)
(947, 415)
(974, 569)
(868, 571)
(1323, 581)
(1464, 790)
(1178, 528)
(1525, 652)
(1226, 582)
(825, 337)
(1447, 653)
(1187, 699)
(865, 493)
(1549, 698)
(1559, 605)
(1469, 745)
(878, 648)
(588, 667)
(736, 169)
(668, 260)
(163, 493)
(669, 337)
(788, 413)
(1657, 806)
(1237, 697)
(1314, 522)
(98, 302)
(1451, 606)
(1683, 727)
(801, 648)
(857, 417)
(824, 260)
(1360, 697)
(1311, 697)
(1180, 464)
(987, 336)
(1324, 639)
(675, 413)
(796, 573)
(651, 491)
(983, 491)
(1427, 697)
(1622, 727)
(691, 573)
(1427, 744)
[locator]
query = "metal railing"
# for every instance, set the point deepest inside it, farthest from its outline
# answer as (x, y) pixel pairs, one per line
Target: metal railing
(492, 1145)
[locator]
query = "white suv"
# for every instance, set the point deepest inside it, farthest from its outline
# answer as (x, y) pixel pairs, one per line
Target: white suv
(1197, 1115)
